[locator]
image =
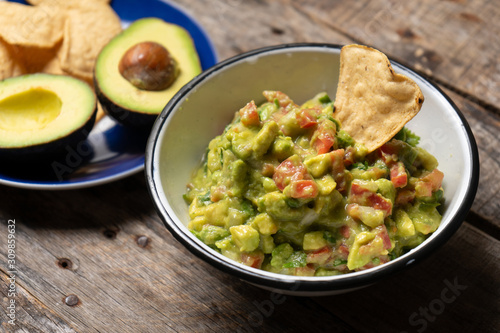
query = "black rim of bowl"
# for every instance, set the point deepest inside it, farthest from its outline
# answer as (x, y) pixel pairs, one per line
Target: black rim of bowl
(291, 283)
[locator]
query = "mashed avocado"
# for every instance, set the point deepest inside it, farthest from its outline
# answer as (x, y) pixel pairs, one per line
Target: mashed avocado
(286, 190)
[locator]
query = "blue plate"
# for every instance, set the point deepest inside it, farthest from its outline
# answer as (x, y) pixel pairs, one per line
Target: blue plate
(111, 151)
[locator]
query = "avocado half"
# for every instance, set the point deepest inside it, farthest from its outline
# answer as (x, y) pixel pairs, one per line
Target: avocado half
(118, 97)
(42, 114)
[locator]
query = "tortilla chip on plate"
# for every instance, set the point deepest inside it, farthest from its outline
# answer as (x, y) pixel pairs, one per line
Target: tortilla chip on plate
(88, 28)
(33, 26)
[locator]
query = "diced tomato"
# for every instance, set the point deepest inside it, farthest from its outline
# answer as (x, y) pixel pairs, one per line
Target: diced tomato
(390, 148)
(303, 189)
(423, 189)
(249, 115)
(253, 259)
(382, 232)
(388, 153)
(405, 196)
(338, 169)
(365, 197)
(307, 117)
(435, 178)
(399, 177)
(429, 183)
(323, 138)
(320, 256)
(290, 169)
(345, 231)
(344, 249)
(307, 270)
(283, 99)
(349, 156)
(338, 161)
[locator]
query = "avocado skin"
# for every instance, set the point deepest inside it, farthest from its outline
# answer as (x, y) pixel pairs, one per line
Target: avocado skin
(49, 151)
(123, 115)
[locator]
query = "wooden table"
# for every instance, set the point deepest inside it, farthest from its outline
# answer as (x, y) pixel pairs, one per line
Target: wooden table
(100, 259)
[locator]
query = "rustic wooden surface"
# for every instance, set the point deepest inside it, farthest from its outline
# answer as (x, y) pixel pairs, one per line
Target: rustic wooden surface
(107, 250)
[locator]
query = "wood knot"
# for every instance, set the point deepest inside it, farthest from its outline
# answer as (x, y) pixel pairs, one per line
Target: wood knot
(65, 263)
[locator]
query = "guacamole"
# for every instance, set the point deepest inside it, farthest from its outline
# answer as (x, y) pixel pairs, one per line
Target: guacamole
(286, 190)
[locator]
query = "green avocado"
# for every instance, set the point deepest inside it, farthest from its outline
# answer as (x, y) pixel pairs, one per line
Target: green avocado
(119, 97)
(42, 114)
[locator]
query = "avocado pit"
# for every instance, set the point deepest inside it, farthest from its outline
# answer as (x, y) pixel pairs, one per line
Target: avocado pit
(149, 66)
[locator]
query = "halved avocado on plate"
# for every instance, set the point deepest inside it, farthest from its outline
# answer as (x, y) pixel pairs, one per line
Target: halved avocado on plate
(42, 114)
(121, 99)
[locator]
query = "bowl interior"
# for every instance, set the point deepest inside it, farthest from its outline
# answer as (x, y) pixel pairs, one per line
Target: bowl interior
(203, 108)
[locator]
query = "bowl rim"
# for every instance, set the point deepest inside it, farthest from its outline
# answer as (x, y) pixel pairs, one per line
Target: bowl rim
(281, 282)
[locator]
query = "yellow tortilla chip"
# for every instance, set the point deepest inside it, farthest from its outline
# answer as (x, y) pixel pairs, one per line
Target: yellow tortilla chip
(40, 60)
(9, 65)
(33, 26)
(373, 103)
(88, 28)
(63, 2)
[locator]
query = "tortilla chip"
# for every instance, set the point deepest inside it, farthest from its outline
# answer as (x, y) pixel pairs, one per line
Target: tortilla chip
(30, 26)
(63, 2)
(39, 60)
(373, 103)
(9, 65)
(88, 28)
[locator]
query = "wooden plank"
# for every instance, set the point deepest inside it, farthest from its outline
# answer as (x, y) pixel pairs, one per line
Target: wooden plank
(485, 127)
(124, 286)
(25, 313)
(455, 290)
(456, 42)
(93, 251)
(237, 26)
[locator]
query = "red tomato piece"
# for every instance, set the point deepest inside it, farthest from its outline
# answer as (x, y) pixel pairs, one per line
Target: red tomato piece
(345, 231)
(249, 115)
(307, 117)
(290, 169)
(382, 232)
(253, 259)
(429, 183)
(320, 256)
(388, 153)
(338, 169)
(324, 138)
(349, 156)
(435, 178)
(405, 196)
(399, 177)
(343, 249)
(307, 270)
(303, 189)
(365, 197)
(283, 99)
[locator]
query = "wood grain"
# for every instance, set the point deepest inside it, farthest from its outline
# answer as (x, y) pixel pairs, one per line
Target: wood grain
(132, 287)
(455, 42)
(107, 246)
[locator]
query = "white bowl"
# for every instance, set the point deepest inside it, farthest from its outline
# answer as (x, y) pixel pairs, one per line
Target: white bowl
(202, 108)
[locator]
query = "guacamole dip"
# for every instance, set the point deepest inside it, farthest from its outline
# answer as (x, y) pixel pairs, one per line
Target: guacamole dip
(286, 190)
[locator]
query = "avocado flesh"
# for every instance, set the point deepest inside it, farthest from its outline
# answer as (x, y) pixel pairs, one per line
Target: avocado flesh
(41, 109)
(117, 94)
(29, 110)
